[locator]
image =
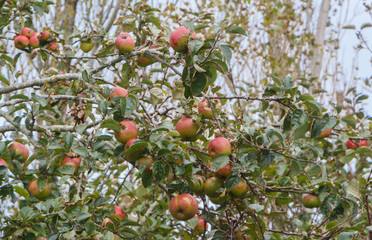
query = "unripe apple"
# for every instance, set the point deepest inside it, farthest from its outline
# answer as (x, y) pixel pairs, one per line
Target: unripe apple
(34, 40)
(27, 32)
(199, 228)
(197, 184)
(240, 190)
(218, 146)
(178, 38)
(106, 221)
(188, 129)
(71, 159)
(212, 187)
(54, 46)
(119, 213)
(118, 91)
(325, 133)
(143, 160)
(21, 42)
(124, 42)
(128, 131)
(311, 201)
(145, 61)
(224, 172)
(183, 207)
(19, 149)
(205, 109)
(221, 199)
(3, 162)
(132, 157)
(45, 36)
(86, 44)
(35, 191)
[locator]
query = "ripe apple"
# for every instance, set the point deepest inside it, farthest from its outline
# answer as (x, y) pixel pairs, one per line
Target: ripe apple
(71, 159)
(35, 191)
(325, 133)
(118, 91)
(240, 190)
(197, 184)
(27, 32)
(145, 61)
(351, 144)
(119, 214)
(21, 42)
(183, 207)
(212, 187)
(45, 36)
(224, 172)
(218, 146)
(188, 128)
(311, 201)
(143, 160)
(124, 42)
(199, 228)
(205, 109)
(128, 131)
(3, 162)
(179, 37)
(34, 40)
(86, 44)
(54, 46)
(19, 149)
(132, 157)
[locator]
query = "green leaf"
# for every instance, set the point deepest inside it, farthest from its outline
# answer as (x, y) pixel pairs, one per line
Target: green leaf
(137, 145)
(198, 84)
(316, 129)
(159, 170)
(195, 46)
(353, 188)
(147, 178)
(297, 117)
(102, 107)
(287, 123)
(90, 228)
(349, 120)
(111, 124)
(21, 191)
(267, 158)
(69, 139)
(301, 131)
(256, 207)
(4, 80)
(129, 106)
(82, 216)
(67, 169)
(347, 158)
(41, 183)
(226, 52)
(276, 79)
(220, 162)
(231, 182)
(236, 29)
(85, 75)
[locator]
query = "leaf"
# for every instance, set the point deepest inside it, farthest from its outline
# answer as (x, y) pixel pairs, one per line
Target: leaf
(353, 188)
(220, 162)
(276, 79)
(67, 169)
(195, 46)
(365, 25)
(236, 29)
(147, 179)
(69, 139)
(296, 117)
(226, 52)
(348, 27)
(231, 182)
(85, 75)
(197, 68)
(4, 80)
(82, 216)
(267, 158)
(301, 131)
(111, 124)
(129, 106)
(256, 207)
(198, 84)
(21, 191)
(90, 228)
(287, 123)
(349, 120)
(347, 158)
(159, 170)
(136, 146)
(41, 183)
(316, 129)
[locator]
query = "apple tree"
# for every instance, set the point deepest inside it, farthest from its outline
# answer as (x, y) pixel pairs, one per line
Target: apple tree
(128, 133)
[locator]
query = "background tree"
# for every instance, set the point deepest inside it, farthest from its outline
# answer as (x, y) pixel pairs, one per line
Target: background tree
(109, 136)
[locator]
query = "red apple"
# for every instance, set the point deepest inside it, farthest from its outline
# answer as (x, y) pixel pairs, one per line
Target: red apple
(353, 144)
(132, 157)
(197, 184)
(179, 37)
(35, 191)
(187, 128)
(118, 91)
(363, 143)
(311, 201)
(145, 160)
(128, 131)
(34, 40)
(86, 44)
(325, 133)
(199, 228)
(145, 61)
(27, 32)
(21, 42)
(3, 162)
(19, 149)
(212, 187)
(205, 109)
(218, 146)
(71, 159)
(183, 207)
(224, 172)
(124, 42)
(45, 35)
(240, 190)
(54, 46)
(119, 213)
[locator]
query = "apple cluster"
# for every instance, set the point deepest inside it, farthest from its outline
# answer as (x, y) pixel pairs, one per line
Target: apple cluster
(30, 38)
